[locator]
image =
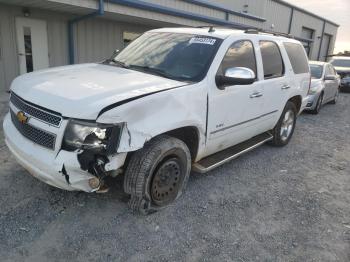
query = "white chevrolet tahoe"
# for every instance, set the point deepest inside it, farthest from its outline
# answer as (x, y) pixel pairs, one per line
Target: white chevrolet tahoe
(173, 100)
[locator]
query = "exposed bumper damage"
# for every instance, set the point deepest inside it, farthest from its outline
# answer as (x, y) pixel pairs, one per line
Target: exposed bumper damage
(62, 169)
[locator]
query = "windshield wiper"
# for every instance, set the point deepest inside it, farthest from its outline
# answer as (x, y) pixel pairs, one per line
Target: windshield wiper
(111, 61)
(152, 70)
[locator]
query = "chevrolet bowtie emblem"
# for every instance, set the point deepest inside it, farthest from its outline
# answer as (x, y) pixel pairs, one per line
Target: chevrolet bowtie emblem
(22, 117)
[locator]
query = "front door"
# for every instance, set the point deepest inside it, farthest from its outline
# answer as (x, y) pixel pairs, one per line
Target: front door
(32, 44)
(235, 111)
(331, 86)
(276, 84)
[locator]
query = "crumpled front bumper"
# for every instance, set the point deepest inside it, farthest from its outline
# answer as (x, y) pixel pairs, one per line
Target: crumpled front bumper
(47, 165)
(311, 101)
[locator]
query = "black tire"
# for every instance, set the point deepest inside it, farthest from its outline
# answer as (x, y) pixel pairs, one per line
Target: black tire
(278, 139)
(163, 165)
(318, 105)
(335, 99)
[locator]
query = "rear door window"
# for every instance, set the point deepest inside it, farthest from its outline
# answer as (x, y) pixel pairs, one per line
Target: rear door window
(272, 60)
(297, 58)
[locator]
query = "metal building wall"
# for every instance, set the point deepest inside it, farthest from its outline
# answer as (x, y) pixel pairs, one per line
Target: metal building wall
(331, 30)
(301, 20)
(278, 15)
(57, 40)
(97, 38)
(254, 7)
(185, 6)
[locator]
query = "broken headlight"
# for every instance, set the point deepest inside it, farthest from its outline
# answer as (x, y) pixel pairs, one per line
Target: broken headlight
(91, 136)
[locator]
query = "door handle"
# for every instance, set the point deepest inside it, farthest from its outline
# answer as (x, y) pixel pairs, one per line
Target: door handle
(256, 95)
(285, 87)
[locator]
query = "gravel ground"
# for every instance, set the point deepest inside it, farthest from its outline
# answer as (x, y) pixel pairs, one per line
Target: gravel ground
(272, 204)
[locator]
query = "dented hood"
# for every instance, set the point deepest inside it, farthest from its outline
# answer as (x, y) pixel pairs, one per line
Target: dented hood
(82, 91)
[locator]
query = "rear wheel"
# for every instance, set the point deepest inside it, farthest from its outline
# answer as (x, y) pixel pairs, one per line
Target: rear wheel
(284, 129)
(157, 174)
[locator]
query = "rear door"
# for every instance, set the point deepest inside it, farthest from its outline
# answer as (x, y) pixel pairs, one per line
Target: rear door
(275, 81)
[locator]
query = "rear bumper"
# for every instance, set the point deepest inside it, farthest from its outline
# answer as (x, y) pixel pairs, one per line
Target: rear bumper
(46, 165)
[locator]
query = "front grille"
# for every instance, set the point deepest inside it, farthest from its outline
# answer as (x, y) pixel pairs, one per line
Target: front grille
(34, 134)
(35, 112)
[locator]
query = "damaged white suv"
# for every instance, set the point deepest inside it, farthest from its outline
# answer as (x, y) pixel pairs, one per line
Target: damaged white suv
(173, 100)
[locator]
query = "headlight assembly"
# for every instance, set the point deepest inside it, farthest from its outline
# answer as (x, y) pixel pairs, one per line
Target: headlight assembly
(312, 91)
(91, 136)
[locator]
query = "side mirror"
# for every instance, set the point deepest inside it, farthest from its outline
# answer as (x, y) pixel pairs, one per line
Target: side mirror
(330, 77)
(235, 76)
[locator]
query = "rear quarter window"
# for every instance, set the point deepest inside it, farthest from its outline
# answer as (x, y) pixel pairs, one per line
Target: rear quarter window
(297, 58)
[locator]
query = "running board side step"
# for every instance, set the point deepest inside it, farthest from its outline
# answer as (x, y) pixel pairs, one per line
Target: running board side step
(210, 162)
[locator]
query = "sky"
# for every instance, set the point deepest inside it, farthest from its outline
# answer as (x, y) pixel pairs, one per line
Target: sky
(337, 11)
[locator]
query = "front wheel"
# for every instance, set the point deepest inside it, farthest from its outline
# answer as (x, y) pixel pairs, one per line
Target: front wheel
(157, 174)
(318, 105)
(284, 129)
(335, 99)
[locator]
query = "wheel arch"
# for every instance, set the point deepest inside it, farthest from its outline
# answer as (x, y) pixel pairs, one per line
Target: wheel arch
(297, 101)
(190, 136)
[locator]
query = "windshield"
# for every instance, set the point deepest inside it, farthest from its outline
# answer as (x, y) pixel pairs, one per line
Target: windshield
(316, 71)
(341, 62)
(176, 56)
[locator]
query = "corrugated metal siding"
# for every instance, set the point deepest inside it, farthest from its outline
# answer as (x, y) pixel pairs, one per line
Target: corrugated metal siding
(254, 7)
(97, 38)
(301, 20)
(57, 39)
(278, 15)
(333, 31)
(139, 13)
(184, 6)
(8, 46)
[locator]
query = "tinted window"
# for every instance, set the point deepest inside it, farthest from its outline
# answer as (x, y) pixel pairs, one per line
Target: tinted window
(240, 54)
(316, 71)
(329, 71)
(272, 60)
(297, 58)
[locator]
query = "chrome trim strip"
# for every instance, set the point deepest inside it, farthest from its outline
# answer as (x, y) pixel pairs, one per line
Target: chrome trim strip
(242, 123)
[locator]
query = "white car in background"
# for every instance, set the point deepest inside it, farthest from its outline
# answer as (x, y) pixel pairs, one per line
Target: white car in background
(324, 86)
(172, 100)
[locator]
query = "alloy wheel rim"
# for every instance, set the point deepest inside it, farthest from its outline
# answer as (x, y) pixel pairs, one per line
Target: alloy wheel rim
(166, 182)
(287, 125)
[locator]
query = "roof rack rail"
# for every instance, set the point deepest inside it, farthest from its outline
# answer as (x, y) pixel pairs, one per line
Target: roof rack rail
(263, 31)
(211, 27)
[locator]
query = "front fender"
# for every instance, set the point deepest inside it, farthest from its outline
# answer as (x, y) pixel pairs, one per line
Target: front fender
(156, 114)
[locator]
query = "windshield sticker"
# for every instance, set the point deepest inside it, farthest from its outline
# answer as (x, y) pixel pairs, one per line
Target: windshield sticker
(201, 40)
